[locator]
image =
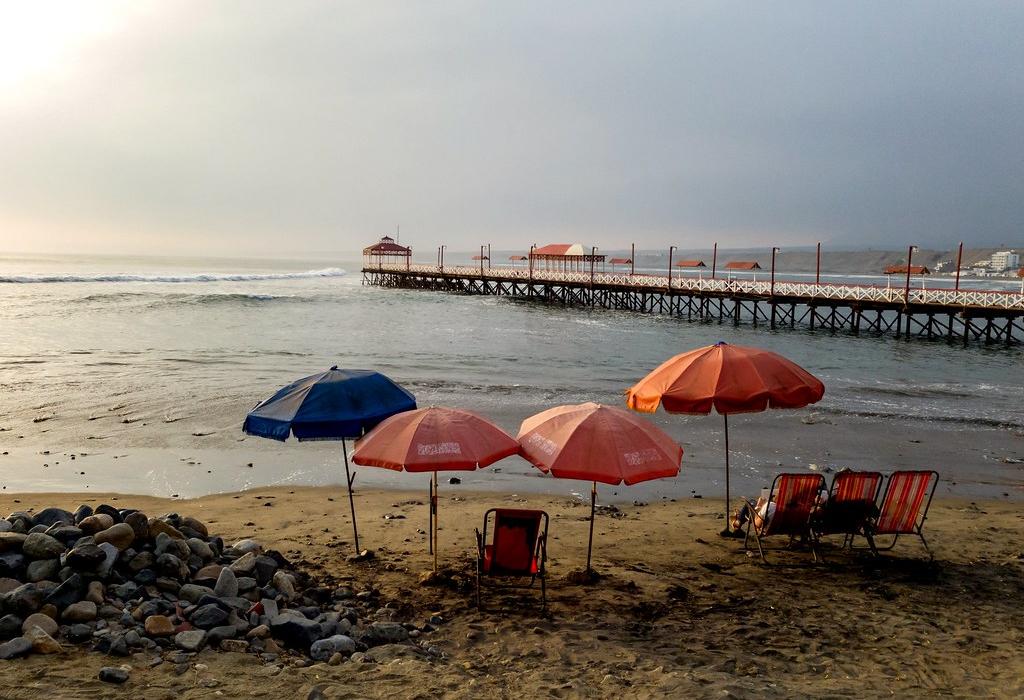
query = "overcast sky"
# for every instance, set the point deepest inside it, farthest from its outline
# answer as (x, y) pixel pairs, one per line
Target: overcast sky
(258, 127)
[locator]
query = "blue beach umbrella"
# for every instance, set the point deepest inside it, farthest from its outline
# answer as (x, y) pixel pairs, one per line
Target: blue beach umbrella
(334, 405)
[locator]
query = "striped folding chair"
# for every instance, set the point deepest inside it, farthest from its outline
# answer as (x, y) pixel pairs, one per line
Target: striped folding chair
(795, 497)
(908, 495)
(851, 505)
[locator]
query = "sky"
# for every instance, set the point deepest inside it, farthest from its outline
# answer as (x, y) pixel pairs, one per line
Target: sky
(265, 128)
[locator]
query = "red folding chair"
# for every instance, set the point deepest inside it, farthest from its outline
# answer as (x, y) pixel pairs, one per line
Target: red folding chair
(851, 505)
(908, 496)
(796, 498)
(519, 548)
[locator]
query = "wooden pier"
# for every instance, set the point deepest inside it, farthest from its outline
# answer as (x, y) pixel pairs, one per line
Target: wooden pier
(957, 316)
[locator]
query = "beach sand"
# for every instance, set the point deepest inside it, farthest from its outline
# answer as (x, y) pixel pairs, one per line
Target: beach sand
(678, 611)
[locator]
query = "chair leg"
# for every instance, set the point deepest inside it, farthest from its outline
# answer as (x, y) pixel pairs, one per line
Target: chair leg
(479, 606)
(760, 548)
(931, 555)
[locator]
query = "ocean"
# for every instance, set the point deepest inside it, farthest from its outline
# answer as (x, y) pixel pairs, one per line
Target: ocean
(144, 368)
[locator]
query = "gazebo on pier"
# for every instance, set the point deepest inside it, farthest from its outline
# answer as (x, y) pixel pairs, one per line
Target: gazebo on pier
(563, 257)
(386, 250)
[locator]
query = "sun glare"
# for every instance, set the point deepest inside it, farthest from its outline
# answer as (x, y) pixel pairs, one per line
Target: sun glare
(41, 39)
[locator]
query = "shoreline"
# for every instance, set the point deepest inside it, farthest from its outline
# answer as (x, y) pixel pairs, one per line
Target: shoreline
(678, 611)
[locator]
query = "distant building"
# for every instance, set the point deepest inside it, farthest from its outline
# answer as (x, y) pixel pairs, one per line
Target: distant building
(1004, 260)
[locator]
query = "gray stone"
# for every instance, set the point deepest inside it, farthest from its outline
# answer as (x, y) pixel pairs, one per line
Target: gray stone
(82, 512)
(67, 592)
(113, 674)
(170, 565)
(190, 640)
(82, 611)
(142, 560)
(200, 548)
(85, 557)
(19, 646)
(244, 565)
(42, 570)
(10, 626)
(11, 541)
(11, 564)
(67, 534)
(41, 546)
(246, 584)
(79, 632)
(384, 633)
(209, 616)
(227, 584)
(246, 546)
(324, 649)
(5, 525)
(53, 516)
(24, 600)
(110, 553)
(295, 631)
(285, 585)
(265, 568)
(218, 634)
(269, 607)
(192, 593)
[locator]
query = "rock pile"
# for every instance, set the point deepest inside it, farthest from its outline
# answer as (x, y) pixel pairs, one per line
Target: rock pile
(124, 582)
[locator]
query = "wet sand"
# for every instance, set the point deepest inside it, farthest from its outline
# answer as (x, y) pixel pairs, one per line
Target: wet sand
(150, 456)
(678, 612)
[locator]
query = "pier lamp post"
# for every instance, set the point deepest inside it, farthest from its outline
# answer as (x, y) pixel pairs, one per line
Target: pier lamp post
(959, 259)
(714, 259)
(906, 291)
(442, 258)
(632, 259)
(593, 256)
(774, 252)
(481, 261)
(488, 256)
(817, 266)
(670, 249)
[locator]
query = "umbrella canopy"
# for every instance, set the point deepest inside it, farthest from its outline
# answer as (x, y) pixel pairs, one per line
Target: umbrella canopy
(728, 379)
(433, 439)
(596, 443)
(592, 442)
(331, 405)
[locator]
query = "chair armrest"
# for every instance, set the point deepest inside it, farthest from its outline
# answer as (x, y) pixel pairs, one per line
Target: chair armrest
(479, 544)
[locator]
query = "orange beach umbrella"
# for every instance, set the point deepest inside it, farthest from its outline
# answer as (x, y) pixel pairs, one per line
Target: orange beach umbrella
(728, 379)
(431, 440)
(596, 443)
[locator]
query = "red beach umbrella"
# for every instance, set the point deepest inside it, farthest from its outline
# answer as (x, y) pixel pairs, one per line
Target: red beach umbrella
(431, 440)
(728, 379)
(591, 442)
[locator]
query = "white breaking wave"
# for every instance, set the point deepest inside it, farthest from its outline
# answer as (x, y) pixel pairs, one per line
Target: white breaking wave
(202, 277)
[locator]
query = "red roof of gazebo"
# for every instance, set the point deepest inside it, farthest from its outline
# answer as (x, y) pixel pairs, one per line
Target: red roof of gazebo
(620, 261)
(690, 263)
(742, 265)
(387, 246)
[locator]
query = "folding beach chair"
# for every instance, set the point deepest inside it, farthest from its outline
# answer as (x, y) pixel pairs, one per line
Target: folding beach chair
(908, 495)
(851, 505)
(795, 497)
(519, 548)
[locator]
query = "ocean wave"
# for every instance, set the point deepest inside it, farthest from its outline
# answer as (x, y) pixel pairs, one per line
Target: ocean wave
(978, 421)
(201, 277)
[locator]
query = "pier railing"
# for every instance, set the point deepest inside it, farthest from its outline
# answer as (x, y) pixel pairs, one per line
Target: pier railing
(807, 291)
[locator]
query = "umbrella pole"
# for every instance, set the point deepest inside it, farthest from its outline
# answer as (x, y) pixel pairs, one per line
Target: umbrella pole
(726, 531)
(430, 511)
(433, 506)
(590, 541)
(351, 501)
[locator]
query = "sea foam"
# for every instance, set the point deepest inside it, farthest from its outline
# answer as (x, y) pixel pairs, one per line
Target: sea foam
(202, 277)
